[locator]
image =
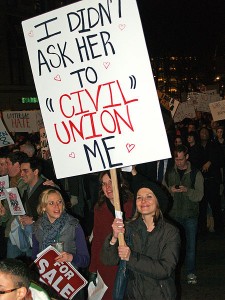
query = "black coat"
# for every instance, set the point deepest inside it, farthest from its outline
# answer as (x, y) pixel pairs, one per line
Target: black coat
(154, 256)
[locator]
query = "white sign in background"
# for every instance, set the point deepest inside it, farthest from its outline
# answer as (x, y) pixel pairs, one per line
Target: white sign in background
(184, 110)
(218, 110)
(5, 138)
(95, 87)
(23, 121)
(201, 101)
(15, 204)
(4, 184)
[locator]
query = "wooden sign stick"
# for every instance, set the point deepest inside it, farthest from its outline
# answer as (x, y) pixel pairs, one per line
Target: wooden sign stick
(116, 200)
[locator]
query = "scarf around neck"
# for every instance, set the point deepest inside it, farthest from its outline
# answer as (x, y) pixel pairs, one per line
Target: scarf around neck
(52, 230)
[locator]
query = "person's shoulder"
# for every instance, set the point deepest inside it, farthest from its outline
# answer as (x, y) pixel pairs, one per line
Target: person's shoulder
(38, 293)
(169, 226)
(72, 220)
(37, 224)
(132, 224)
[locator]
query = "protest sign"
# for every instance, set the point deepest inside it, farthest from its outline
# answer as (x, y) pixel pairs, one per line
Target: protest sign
(174, 103)
(5, 138)
(61, 276)
(45, 152)
(96, 292)
(95, 87)
(4, 184)
(14, 201)
(192, 98)
(184, 110)
(201, 101)
(168, 103)
(218, 110)
(39, 119)
(22, 121)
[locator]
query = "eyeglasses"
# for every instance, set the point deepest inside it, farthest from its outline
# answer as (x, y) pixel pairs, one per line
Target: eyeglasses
(8, 291)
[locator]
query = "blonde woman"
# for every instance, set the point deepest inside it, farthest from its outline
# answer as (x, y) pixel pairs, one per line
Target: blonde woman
(55, 225)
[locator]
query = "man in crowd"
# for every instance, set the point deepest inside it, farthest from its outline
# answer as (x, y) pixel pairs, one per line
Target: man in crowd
(185, 183)
(212, 158)
(31, 176)
(47, 165)
(3, 165)
(27, 148)
(14, 280)
(13, 160)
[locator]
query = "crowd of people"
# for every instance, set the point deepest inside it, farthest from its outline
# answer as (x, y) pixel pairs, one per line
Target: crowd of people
(166, 206)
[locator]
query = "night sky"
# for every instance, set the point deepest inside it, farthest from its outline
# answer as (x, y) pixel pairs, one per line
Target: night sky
(183, 27)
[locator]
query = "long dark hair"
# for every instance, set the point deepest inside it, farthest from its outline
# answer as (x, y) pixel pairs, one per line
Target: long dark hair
(123, 186)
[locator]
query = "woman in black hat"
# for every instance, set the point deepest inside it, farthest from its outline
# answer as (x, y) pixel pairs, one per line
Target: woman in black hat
(152, 247)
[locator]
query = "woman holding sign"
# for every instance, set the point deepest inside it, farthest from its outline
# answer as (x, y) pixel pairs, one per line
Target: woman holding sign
(153, 250)
(56, 227)
(104, 215)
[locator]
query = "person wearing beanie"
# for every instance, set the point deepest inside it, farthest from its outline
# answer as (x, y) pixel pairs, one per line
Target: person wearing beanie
(152, 246)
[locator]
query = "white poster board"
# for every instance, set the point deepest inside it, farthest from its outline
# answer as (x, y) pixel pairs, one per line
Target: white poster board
(96, 292)
(218, 110)
(95, 87)
(201, 101)
(4, 184)
(45, 152)
(23, 121)
(174, 103)
(39, 119)
(15, 204)
(184, 110)
(5, 138)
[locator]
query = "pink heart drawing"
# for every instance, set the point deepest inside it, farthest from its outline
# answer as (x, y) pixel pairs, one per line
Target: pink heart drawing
(31, 34)
(72, 155)
(122, 26)
(106, 64)
(57, 78)
(130, 147)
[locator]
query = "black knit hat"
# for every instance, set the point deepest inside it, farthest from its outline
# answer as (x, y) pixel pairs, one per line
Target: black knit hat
(160, 194)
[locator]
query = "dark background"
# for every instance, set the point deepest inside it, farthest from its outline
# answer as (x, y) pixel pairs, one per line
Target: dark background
(183, 27)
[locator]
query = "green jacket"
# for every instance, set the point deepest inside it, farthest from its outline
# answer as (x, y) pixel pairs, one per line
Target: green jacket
(186, 204)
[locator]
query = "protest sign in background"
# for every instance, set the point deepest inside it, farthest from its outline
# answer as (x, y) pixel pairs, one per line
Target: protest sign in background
(168, 103)
(201, 101)
(95, 87)
(14, 201)
(4, 184)
(45, 152)
(184, 110)
(5, 138)
(39, 119)
(218, 110)
(23, 121)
